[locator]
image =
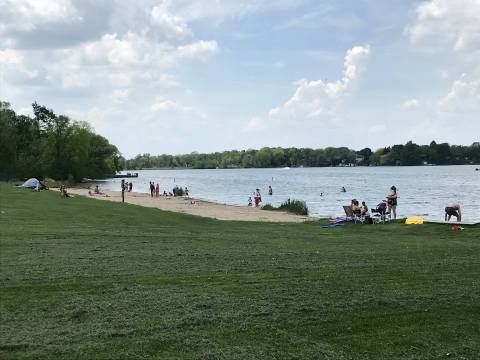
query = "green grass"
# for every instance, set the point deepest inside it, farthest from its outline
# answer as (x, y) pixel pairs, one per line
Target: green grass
(87, 279)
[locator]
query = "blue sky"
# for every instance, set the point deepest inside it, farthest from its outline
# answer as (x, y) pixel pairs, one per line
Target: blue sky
(180, 76)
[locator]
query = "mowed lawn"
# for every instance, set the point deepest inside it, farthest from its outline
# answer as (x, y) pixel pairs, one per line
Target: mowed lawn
(87, 279)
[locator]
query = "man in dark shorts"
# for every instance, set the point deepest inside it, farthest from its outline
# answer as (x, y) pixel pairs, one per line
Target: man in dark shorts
(453, 209)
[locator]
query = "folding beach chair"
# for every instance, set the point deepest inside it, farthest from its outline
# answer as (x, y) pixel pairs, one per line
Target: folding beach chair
(379, 215)
(356, 218)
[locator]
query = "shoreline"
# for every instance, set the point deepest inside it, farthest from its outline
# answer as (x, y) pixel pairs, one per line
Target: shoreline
(194, 206)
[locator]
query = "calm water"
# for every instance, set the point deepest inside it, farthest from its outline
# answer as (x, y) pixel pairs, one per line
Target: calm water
(423, 190)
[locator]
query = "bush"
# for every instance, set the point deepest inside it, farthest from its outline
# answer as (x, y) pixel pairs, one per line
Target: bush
(51, 183)
(268, 207)
(293, 206)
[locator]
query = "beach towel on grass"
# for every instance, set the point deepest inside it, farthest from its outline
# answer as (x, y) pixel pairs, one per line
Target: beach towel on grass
(417, 220)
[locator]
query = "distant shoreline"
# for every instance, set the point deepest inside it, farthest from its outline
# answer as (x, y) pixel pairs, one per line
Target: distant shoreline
(296, 167)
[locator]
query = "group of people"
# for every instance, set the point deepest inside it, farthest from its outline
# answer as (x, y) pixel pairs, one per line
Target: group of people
(126, 186)
(257, 197)
(388, 206)
(96, 192)
(176, 191)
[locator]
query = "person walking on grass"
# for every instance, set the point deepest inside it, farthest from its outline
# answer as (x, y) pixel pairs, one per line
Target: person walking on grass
(392, 202)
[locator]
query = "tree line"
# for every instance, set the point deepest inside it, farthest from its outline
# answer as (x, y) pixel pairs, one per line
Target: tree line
(406, 155)
(53, 146)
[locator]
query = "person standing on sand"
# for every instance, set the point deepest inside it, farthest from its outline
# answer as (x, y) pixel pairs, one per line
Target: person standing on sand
(258, 198)
(152, 188)
(130, 186)
(392, 202)
(453, 209)
(157, 190)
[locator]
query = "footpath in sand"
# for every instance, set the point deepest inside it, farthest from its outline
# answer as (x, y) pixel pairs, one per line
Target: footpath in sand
(196, 207)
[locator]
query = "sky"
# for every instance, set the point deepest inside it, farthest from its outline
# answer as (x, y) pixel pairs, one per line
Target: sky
(177, 76)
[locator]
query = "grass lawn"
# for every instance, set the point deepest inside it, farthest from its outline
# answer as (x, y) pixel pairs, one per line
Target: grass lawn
(86, 279)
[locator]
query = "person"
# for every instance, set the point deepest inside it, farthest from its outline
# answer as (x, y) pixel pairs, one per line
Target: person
(343, 189)
(165, 193)
(186, 191)
(64, 193)
(249, 201)
(392, 202)
(97, 190)
(157, 190)
(152, 188)
(130, 186)
(355, 207)
(258, 198)
(174, 190)
(453, 209)
(270, 190)
(365, 209)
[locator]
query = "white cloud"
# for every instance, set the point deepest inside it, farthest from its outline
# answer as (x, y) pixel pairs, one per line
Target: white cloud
(464, 96)
(172, 26)
(123, 60)
(166, 113)
(12, 65)
(201, 50)
(316, 98)
(163, 105)
(27, 15)
(254, 124)
(454, 21)
(410, 104)
(11, 57)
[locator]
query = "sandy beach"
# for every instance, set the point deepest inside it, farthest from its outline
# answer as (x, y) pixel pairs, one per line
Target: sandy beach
(196, 207)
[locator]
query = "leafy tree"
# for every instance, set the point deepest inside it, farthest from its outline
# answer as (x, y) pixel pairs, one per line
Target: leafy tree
(48, 145)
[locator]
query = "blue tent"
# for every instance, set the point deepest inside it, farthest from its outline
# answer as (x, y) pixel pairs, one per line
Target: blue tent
(32, 183)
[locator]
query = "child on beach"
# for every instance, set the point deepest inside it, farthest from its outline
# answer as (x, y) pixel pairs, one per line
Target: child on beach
(365, 209)
(250, 202)
(270, 190)
(157, 190)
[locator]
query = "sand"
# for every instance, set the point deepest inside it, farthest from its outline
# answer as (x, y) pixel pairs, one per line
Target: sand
(196, 207)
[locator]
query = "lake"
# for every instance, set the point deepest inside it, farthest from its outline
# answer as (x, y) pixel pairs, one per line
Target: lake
(422, 190)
